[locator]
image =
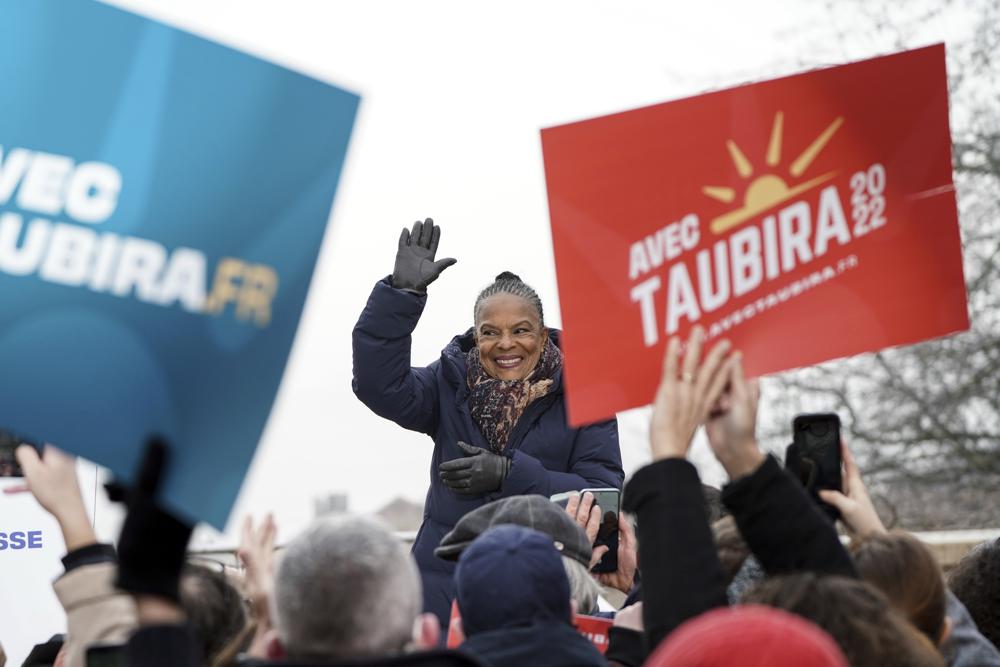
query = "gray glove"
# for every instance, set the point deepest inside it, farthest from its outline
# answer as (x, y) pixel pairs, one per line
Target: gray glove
(476, 474)
(415, 266)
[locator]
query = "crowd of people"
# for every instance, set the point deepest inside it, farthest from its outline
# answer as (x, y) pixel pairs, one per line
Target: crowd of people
(753, 574)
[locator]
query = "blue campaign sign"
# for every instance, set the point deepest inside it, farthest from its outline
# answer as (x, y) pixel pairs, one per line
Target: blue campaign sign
(162, 203)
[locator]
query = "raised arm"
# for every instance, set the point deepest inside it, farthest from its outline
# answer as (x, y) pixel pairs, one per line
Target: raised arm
(781, 525)
(681, 573)
(384, 380)
(96, 612)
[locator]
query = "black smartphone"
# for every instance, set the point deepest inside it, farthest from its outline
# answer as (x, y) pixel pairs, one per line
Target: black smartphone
(106, 655)
(815, 455)
(9, 442)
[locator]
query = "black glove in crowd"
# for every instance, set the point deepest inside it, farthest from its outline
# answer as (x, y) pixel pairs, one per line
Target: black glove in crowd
(415, 266)
(153, 543)
(480, 472)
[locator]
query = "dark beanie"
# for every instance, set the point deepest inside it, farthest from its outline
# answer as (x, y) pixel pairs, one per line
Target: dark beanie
(511, 576)
(533, 511)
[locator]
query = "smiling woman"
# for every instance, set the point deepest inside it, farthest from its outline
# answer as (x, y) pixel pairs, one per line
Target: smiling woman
(510, 332)
(493, 402)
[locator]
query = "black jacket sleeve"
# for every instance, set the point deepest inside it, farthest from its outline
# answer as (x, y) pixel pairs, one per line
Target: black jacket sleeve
(681, 573)
(383, 377)
(782, 526)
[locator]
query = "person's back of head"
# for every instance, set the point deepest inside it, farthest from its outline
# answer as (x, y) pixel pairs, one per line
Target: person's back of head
(732, 549)
(214, 609)
(905, 570)
(714, 508)
(975, 580)
(749, 635)
(511, 576)
(347, 588)
(856, 615)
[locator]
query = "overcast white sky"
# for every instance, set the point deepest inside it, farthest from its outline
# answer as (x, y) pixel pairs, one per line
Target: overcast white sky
(454, 94)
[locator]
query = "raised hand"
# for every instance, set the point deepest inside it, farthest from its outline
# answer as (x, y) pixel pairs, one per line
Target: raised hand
(256, 552)
(415, 266)
(52, 479)
(686, 393)
(732, 426)
(856, 509)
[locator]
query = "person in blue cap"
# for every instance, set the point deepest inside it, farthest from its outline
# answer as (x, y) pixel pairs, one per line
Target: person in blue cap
(514, 600)
(493, 403)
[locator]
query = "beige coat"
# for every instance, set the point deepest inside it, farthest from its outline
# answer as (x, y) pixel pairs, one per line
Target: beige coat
(96, 612)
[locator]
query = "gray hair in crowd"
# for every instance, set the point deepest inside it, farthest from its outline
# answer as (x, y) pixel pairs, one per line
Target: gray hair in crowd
(583, 588)
(346, 588)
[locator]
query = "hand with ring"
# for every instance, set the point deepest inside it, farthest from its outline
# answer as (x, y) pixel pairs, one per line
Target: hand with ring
(688, 388)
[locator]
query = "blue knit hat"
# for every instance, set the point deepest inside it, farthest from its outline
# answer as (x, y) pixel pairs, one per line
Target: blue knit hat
(511, 576)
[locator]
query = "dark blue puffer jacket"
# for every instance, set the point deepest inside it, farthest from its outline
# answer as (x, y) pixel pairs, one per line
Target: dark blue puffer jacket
(547, 456)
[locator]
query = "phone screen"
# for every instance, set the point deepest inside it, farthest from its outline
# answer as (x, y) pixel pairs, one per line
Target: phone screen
(608, 502)
(817, 438)
(607, 534)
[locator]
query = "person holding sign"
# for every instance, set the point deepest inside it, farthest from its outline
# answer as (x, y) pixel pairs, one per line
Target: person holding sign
(493, 402)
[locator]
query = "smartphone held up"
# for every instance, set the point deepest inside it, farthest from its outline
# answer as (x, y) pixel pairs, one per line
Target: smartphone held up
(814, 456)
(608, 500)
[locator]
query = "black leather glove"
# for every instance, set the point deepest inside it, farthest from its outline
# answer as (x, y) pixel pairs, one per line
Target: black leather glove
(152, 548)
(415, 266)
(476, 474)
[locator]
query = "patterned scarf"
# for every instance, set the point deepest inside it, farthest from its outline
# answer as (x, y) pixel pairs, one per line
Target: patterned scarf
(496, 405)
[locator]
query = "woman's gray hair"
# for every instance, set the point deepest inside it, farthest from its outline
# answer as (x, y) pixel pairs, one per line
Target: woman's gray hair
(583, 589)
(510, 283)
(346, 588)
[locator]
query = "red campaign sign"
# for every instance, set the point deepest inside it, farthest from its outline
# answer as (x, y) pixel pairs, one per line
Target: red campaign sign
(594, 628)
(804, 218)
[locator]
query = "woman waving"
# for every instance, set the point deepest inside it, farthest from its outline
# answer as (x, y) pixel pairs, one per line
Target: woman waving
(493, 402)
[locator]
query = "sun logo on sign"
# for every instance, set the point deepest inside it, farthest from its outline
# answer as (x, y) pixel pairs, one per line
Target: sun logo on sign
(768, 189)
